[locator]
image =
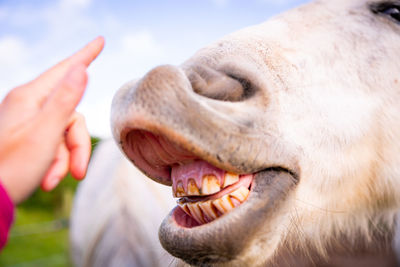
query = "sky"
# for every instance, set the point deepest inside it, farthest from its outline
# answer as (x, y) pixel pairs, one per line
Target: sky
(36, 34)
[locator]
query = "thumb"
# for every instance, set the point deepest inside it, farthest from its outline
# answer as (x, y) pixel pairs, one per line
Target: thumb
(62, 101)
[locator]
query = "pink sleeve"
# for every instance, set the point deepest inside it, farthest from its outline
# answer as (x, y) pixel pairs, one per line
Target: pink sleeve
(6, 215)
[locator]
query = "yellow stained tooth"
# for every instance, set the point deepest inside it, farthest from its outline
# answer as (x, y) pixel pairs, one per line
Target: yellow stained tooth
(180, 191)
(235, 202)
(223, 204)
(210, 185)
(184, 207)
(240, 194)
(230, 178)
(192, 188)
(195, 211)
(208, 210)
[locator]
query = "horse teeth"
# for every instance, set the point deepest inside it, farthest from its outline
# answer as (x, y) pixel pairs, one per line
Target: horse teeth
(230, 178)
(223, 204)
(185, 208)
(196, 212)
(192, 188)
(208, 210)
(240, 194)
(179, 191)
(210, 185)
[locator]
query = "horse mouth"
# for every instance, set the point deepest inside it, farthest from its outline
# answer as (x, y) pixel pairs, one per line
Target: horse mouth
(219, 212)
(204, 192)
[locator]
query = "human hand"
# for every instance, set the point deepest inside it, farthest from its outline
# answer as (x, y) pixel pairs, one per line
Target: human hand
(42, 137)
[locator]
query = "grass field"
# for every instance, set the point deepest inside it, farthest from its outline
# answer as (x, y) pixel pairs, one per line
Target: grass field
(39, 236)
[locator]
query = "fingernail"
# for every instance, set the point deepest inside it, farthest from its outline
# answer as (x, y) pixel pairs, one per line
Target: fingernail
(99, 39)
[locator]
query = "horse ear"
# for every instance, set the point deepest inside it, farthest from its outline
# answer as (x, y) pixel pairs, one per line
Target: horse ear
(111, 222)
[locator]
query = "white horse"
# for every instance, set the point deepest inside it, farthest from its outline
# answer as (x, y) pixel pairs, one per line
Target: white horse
(281, 139)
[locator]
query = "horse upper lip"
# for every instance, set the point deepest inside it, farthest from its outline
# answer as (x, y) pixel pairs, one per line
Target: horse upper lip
(155, 155)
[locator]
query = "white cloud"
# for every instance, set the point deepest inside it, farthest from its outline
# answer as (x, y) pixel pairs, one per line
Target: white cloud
(75, 3)
(67, 18)
(14, 66)
(140, 45)
(12, 51)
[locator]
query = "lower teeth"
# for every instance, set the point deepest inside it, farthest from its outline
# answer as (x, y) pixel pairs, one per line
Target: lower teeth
(207, 211)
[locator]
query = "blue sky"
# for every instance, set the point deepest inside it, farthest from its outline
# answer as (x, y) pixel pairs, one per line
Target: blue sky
(139, 35)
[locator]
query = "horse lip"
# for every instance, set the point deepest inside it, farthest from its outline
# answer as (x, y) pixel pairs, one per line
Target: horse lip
(134, 139)
(214, 241)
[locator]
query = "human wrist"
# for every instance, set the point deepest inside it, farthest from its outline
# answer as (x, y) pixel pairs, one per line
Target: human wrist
(7, 186)
(6, 214)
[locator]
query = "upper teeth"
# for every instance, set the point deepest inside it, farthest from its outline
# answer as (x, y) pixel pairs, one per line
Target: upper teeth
(222, 191)
(192, 188)
(210, 185)
(230, 178)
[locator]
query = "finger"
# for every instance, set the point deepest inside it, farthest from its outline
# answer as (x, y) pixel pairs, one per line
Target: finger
(78, 143)
(84, 56)
(60, 105)
(58, 169)
(49, 79)
(17, 104)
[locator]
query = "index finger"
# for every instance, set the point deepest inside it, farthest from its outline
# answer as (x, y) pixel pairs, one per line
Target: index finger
(43, 84)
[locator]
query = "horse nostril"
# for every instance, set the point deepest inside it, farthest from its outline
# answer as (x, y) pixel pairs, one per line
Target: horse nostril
(217, 85)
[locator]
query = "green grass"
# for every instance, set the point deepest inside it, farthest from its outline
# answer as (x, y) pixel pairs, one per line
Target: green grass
(40, 249)
(39, 236)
